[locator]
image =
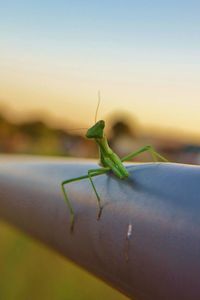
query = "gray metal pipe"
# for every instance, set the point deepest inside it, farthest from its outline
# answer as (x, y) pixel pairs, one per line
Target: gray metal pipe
(161, 201)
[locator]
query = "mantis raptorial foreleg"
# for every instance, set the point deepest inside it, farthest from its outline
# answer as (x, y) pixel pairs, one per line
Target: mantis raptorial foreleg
(149, 149)
(91, 173)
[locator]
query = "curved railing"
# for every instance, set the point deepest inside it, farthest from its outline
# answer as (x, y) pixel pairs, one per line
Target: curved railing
(147, 242)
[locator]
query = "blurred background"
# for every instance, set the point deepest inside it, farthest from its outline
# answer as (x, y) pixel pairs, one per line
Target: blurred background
(143, 56)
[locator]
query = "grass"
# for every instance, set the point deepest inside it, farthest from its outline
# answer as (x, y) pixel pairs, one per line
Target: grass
(30, 271)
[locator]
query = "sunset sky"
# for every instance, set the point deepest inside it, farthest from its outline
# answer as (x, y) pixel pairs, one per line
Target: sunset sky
(144, 56)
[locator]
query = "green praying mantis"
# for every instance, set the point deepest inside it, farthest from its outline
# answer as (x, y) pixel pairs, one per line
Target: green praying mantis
(109, 161)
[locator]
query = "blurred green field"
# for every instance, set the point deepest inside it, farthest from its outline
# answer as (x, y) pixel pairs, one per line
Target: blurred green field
(30, 271)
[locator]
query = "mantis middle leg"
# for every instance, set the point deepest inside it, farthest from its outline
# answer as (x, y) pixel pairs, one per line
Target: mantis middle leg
(150, 149)
(91, 173)
(95, 172)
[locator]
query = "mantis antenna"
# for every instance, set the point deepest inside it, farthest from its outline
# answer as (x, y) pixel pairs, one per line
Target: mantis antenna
(99, 100)
(74, 129)
(96, 113)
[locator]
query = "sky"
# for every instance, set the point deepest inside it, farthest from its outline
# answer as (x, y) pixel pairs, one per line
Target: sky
(144, 57)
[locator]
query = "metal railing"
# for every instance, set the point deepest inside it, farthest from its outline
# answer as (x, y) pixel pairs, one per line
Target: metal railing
(147, 242)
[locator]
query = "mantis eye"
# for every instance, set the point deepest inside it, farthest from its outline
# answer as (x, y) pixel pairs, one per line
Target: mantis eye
(96, 131)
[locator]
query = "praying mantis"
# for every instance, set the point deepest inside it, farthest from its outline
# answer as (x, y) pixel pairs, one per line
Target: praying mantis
(109, 161)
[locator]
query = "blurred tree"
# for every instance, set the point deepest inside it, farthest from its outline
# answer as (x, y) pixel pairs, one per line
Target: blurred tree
(121, 128)
(124, 137)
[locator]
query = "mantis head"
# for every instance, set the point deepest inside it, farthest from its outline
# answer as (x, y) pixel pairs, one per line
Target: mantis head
(96, 131)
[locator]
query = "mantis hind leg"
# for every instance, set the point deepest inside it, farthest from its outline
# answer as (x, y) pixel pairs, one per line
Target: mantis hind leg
(149, 149)
(71, 210)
